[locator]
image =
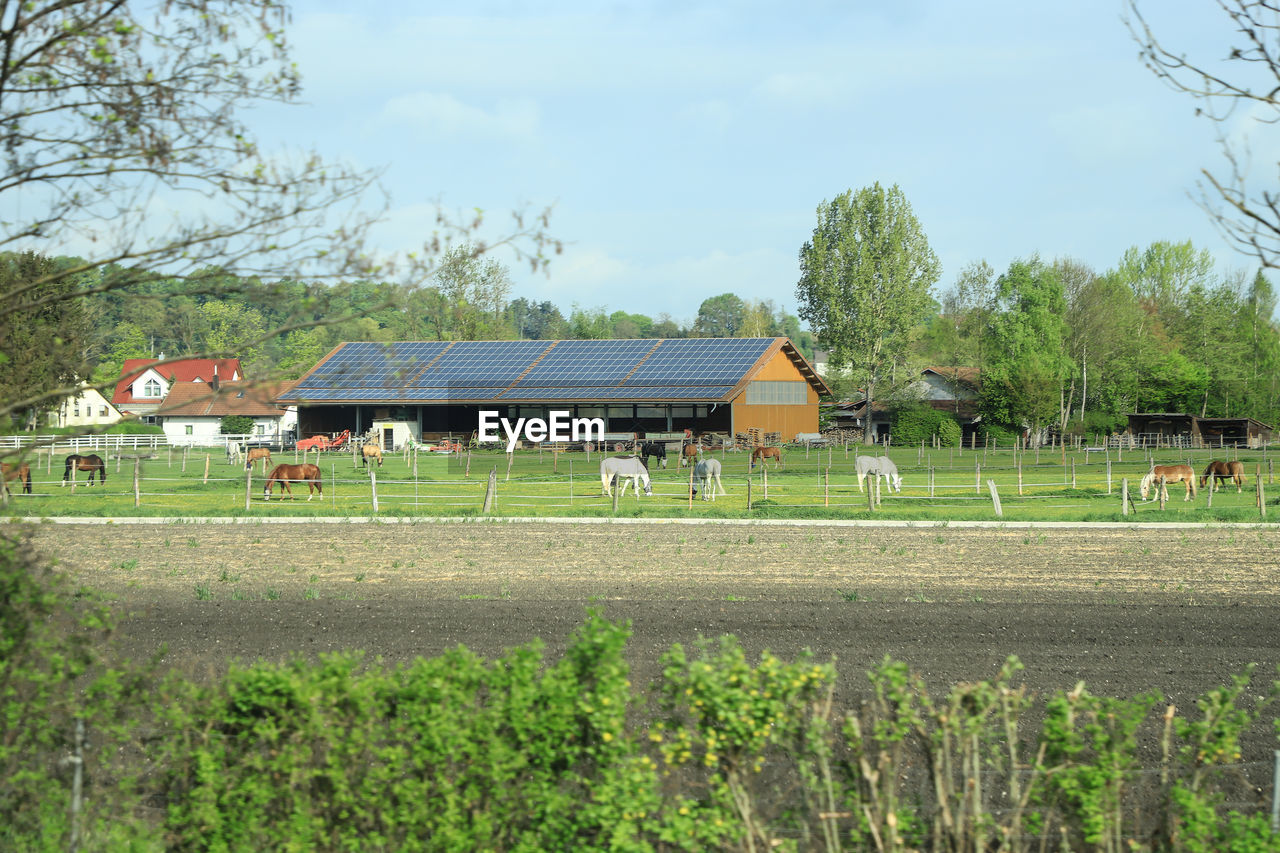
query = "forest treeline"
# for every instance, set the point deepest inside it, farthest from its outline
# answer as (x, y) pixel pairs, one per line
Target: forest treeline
(1062, 345)
(1058, 343)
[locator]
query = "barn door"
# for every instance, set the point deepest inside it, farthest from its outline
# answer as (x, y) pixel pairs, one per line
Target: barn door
(388, 438)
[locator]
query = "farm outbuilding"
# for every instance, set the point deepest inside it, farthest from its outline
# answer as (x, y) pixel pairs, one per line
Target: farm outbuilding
(641, 388)
(1182, 430)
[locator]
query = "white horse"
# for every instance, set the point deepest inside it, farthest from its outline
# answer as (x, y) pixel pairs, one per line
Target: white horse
(234, 452)
(707, 474)
(878, 466)
(627, 469)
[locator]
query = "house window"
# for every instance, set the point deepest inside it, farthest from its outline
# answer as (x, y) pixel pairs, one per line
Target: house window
(77, 408)
(777, 393)
(189, 429)
(151, 389)
(102, 411)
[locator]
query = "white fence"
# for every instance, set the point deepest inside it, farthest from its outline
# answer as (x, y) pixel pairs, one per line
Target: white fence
(118, 442)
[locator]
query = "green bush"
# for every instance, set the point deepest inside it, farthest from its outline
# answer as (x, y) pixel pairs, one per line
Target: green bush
(236, 425)
(1000, 436)
(50, 677)
(916, 424)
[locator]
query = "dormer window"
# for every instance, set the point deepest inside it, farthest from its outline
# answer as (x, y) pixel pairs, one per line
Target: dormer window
(151, 389)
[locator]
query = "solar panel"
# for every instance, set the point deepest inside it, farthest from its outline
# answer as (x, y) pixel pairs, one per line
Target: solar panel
(646, 369)
(576, 363)
(700, 361)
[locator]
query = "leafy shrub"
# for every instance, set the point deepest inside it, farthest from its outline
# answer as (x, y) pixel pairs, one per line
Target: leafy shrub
(236, 425)
(49, 640)
(1000, 435)
(916, 424)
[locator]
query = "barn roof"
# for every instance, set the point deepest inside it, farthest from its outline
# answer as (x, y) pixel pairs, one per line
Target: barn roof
(644, 370)
(182, 370)
(201, 399)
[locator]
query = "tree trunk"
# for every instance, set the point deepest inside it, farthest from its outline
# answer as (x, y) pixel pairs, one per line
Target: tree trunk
(866, 433)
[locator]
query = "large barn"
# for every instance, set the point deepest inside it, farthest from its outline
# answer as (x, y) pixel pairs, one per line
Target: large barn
(435, 389)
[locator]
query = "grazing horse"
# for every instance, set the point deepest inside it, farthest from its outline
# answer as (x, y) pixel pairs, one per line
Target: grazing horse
(1172, 474)
(760, 454)
(286, 474)
(881, 466)
(256, 453)
(1220, 471)
(91, 463)
(653, 449)
(707, 474)
(234, 452)
(627, 469)
(689, 453)
(20, 472)
(370, 451)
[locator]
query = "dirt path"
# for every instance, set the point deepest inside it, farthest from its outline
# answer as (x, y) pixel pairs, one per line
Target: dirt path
(1126, 610)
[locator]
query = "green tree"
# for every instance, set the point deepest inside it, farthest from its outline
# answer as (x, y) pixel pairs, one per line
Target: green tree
(475, 291)
(720, 316)
(865, 278)
(111, 110)
(44, 336)
(1023, 381)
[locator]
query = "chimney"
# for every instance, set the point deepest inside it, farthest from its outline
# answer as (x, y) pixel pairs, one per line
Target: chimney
(214, 383)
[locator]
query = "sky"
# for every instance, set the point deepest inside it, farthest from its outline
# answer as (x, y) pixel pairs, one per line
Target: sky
(686, 146)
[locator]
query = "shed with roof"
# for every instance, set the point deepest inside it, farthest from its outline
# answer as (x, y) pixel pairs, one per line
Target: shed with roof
(642, 388)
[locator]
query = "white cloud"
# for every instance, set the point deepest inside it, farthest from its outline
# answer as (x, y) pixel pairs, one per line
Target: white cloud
(437, 114)
(800, 89)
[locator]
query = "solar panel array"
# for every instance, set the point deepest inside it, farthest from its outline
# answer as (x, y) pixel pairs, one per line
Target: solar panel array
(524, 371)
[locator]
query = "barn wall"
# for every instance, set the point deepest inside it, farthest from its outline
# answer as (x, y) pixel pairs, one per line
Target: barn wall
(785, 419)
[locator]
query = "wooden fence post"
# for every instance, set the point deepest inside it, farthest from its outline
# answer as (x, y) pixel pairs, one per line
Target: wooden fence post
(510, 457)
(570, 481)
(871, 496)
(748, 494)
(977, 478)
(1164, 493)
(764, 472)
(616, 489)
(248, 485)
(826, 487)
(137, 477)
(1073, 472)
(467, 473)
(930, 481)
(1124, 495)
(490, 492)
(995, 498)
(206, 469)
(1108, 475)
(373, 487)
(691, 467)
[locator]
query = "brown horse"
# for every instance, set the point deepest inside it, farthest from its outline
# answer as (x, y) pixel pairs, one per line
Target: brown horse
(1171, 474)
(20, 472)
(370, 451)
(253, 454)
(286, 474)
(91, 463)
(760, 454)
(689, 454)
(1220, 471)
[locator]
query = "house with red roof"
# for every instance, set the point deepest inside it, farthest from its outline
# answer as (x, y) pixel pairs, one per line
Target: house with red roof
(145, 382)
(192, 412)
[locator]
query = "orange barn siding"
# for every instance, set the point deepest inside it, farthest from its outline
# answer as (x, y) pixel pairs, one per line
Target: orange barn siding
(785, 419)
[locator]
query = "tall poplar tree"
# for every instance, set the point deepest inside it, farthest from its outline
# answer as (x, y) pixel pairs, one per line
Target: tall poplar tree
(865, 278)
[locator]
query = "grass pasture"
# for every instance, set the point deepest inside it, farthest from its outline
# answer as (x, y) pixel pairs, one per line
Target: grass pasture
(938, 485)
